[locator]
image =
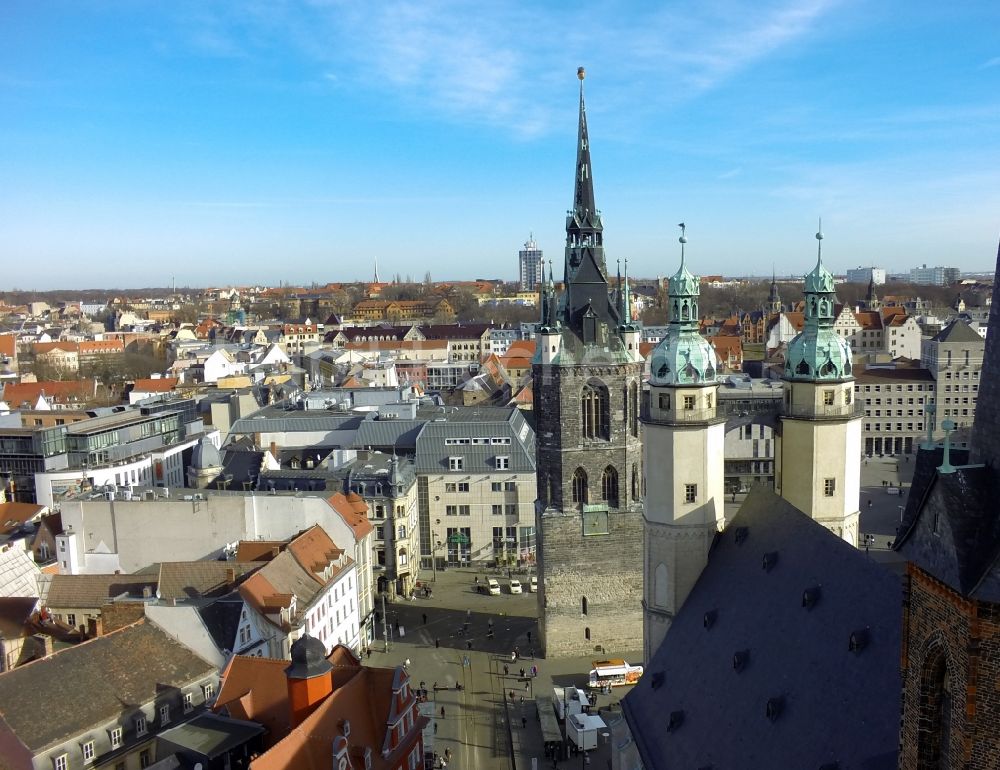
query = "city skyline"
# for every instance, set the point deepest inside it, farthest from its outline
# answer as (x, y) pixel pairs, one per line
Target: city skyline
(247, 143)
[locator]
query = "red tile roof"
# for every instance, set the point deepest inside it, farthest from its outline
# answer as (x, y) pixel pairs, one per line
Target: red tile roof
(62, 391)
(353, 511)
(161, 385)
(8, 345)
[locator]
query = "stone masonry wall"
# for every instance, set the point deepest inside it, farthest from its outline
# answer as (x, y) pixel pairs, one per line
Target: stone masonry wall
(604, 569)
(935, 618)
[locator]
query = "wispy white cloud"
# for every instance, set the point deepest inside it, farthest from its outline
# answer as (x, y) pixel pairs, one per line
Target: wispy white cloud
(994, 62)
(501, 63)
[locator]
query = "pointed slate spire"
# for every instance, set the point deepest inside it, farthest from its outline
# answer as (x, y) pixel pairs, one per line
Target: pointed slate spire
(626, 299)
(583, 197)
(586, 277)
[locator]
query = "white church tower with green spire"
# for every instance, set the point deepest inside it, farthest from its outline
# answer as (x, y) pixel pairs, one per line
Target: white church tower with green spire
(683, 451)
(817, 458)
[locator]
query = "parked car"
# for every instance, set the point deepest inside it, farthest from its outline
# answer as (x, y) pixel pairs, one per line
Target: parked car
(515, 586)
(493, 586)
(533, 584)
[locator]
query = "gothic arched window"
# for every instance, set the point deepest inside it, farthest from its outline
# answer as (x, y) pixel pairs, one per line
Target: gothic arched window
(635, 482)
(580, 486)
(934, 737)
(595, 412)
(609, 486)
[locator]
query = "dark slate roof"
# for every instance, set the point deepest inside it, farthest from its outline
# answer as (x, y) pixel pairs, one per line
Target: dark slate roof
(433, 450)
(222, 619)
(950, 527)
(110, 675)
(401, 434)
(958, 331)
(835, 705)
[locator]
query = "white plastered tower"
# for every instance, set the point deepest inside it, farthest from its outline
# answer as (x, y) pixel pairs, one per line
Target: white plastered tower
(683, 450)
(817, 455)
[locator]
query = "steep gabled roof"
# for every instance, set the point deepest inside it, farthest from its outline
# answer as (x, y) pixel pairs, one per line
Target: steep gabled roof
(749, 634)
(950, 527)
(110, 674)
(958, 331)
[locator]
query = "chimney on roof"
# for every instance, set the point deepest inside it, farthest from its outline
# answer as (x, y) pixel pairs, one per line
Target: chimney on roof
(230, 575)
(310, 678)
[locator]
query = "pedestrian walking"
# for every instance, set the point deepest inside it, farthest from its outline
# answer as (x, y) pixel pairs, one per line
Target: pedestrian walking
(477, 579)
(406, 663)
(435, 728)
(506, 669)
(437, 643)
(442, 712)
(447, 754)
(369, 653)
(397, 626)
(425, 618)
(468, 644)
(869, 502)
(522, 673)
(524, 722)
(522, 700)
(534, 670)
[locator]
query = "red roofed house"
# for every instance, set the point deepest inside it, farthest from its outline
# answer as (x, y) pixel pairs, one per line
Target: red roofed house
(310, 587)
(51, 394)
(730, 353)
(64, 356)
(8, 351)
(144, 388)
(326, 711)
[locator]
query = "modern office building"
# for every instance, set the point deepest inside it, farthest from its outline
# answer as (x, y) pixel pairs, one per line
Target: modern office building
(530, 261)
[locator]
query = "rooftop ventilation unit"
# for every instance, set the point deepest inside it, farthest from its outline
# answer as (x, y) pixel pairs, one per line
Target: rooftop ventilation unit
(675, 721)
(657, 680)
(770, 559)
(741, 534)
(858, 641)
(740, 659)
(774, 707)
(709, 619)
(810, 597)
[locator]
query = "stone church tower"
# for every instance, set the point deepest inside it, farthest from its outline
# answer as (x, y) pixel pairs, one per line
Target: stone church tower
(586, 383)
(817, 458)
(683, 450)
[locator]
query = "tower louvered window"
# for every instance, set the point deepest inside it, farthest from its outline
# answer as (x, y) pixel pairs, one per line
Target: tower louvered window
(595, 413)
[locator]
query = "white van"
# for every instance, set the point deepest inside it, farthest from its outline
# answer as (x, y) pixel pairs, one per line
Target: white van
(533, 584)
(493, 586)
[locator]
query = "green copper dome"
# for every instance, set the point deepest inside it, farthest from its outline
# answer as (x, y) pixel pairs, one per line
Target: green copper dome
(683, 283)
(683, 357)
(820, 280)
(818, 353)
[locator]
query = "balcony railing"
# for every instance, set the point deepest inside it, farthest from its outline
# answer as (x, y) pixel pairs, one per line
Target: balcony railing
(825, 411)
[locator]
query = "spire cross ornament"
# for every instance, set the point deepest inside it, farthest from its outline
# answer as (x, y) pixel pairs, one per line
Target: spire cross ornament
(946, 466)
(683, 239)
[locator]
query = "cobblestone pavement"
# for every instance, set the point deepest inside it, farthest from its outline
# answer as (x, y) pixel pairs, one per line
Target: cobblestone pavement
(447, 640)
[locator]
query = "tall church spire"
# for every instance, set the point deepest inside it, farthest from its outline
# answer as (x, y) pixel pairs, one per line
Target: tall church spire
(588, 309)
(583, 197)
(376, 271)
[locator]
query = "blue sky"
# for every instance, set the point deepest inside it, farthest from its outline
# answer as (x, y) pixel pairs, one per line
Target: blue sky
(258, 142)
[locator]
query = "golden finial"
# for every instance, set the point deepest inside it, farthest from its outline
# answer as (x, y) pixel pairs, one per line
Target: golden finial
(581, 73)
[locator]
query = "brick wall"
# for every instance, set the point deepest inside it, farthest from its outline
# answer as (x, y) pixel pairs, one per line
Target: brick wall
(943, 630)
